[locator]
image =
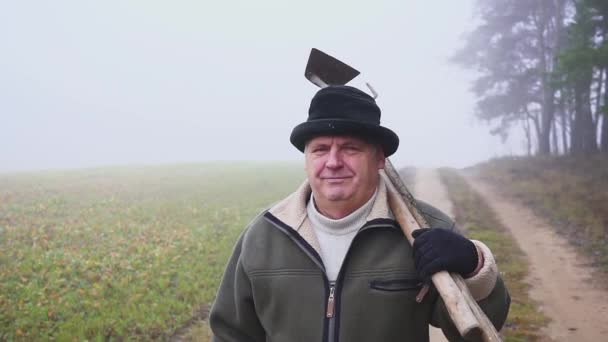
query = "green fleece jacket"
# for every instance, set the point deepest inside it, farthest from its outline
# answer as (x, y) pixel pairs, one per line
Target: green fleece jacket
(275, 288)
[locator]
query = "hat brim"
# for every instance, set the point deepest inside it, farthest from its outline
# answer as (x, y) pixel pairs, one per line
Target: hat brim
(310, 129)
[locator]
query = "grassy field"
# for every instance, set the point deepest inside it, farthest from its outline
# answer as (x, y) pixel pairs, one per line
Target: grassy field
(480, 223)
(570, 192)
(125, 252)
(136, 253)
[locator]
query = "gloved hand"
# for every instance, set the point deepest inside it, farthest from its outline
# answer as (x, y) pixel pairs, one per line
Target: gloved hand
(440, 249)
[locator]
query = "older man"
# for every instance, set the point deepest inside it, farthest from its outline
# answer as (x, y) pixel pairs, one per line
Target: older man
(330, 263)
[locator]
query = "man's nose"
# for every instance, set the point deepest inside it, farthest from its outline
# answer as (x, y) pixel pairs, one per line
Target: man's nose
(334, 159)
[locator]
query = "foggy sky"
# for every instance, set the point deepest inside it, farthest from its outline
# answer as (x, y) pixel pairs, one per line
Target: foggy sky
(87, 83)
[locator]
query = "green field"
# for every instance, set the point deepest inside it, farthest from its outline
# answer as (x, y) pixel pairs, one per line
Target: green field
(125, 252)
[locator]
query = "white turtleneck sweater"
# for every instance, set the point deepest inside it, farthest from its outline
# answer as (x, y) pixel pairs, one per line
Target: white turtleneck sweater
(335, 236)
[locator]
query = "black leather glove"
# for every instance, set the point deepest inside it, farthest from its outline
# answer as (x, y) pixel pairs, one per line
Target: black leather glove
(440, 249)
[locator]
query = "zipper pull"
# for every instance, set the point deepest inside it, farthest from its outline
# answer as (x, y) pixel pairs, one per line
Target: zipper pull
(330, 303)
(423, 291)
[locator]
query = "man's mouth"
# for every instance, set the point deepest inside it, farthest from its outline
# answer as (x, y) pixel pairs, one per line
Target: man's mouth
(335, 179)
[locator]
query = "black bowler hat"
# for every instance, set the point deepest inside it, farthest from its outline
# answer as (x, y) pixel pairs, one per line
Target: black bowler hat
(344, 110)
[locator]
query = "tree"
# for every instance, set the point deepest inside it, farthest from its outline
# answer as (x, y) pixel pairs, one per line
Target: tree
(599, 10)
(514, 50)
(581, 73)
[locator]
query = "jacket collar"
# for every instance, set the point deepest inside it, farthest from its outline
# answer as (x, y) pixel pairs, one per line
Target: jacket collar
(292, 211)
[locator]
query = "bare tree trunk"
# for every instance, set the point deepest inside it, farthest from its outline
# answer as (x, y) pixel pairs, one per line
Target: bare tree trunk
(565, 129)
(571, 117)
(558, 21)
(576, 141)
(536, 122)
(597, 110)
(554, 134)
(604, 142)
(544, 142)
(589, 127)
(604, 110)
(598, 98)
(526, 125)
(604, 136)
(584, 137)
(564, 121)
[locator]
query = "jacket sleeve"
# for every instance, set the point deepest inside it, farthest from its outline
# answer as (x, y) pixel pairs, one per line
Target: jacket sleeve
(233, 317)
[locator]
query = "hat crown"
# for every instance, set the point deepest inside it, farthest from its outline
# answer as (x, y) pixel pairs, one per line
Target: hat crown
(344, 110)
(344, 103)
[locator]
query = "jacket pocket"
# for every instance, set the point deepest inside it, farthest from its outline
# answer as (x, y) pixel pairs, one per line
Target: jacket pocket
(403, 284)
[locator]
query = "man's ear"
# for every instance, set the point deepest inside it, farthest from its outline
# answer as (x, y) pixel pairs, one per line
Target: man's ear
(381, 158)
(381, 163)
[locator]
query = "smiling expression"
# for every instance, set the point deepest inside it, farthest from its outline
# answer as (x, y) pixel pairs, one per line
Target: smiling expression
(343, 172)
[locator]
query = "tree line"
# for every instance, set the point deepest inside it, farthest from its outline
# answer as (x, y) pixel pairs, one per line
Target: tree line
(542, 65)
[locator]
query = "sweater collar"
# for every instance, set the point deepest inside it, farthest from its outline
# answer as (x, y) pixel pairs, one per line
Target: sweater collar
(345, 225)
(292, 210)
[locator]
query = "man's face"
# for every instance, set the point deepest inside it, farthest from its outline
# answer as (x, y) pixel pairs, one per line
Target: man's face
(342, 170)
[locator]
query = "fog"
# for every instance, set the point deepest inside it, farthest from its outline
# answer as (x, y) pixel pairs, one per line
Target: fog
(91, 83)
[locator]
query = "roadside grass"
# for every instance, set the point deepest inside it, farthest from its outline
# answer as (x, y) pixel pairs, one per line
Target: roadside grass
(480, 223)
(123, 253)
(571, 192)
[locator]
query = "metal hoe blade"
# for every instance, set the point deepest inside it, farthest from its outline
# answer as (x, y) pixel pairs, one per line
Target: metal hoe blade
(323, 70)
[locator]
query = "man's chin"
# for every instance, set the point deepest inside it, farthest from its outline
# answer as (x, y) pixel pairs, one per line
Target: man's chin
(336, 196)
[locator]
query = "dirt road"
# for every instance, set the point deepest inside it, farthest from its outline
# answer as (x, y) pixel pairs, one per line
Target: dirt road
(560, 279)
(429, 188)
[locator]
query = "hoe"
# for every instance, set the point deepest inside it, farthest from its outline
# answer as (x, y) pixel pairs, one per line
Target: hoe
(324, 70)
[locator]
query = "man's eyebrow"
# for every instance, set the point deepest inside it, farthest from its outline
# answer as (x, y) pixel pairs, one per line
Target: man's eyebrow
(351, 143)
(319, 144)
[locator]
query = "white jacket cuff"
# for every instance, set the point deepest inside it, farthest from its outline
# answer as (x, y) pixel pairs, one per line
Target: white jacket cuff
(482, 283)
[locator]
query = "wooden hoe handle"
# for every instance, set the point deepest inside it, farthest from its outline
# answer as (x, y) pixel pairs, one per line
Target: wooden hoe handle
(469, 319)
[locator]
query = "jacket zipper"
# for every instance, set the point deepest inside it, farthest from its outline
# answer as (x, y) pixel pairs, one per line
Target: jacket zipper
(316, 258)
(330, 302)
(333, 299)
(332, 288)
(330, 316)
